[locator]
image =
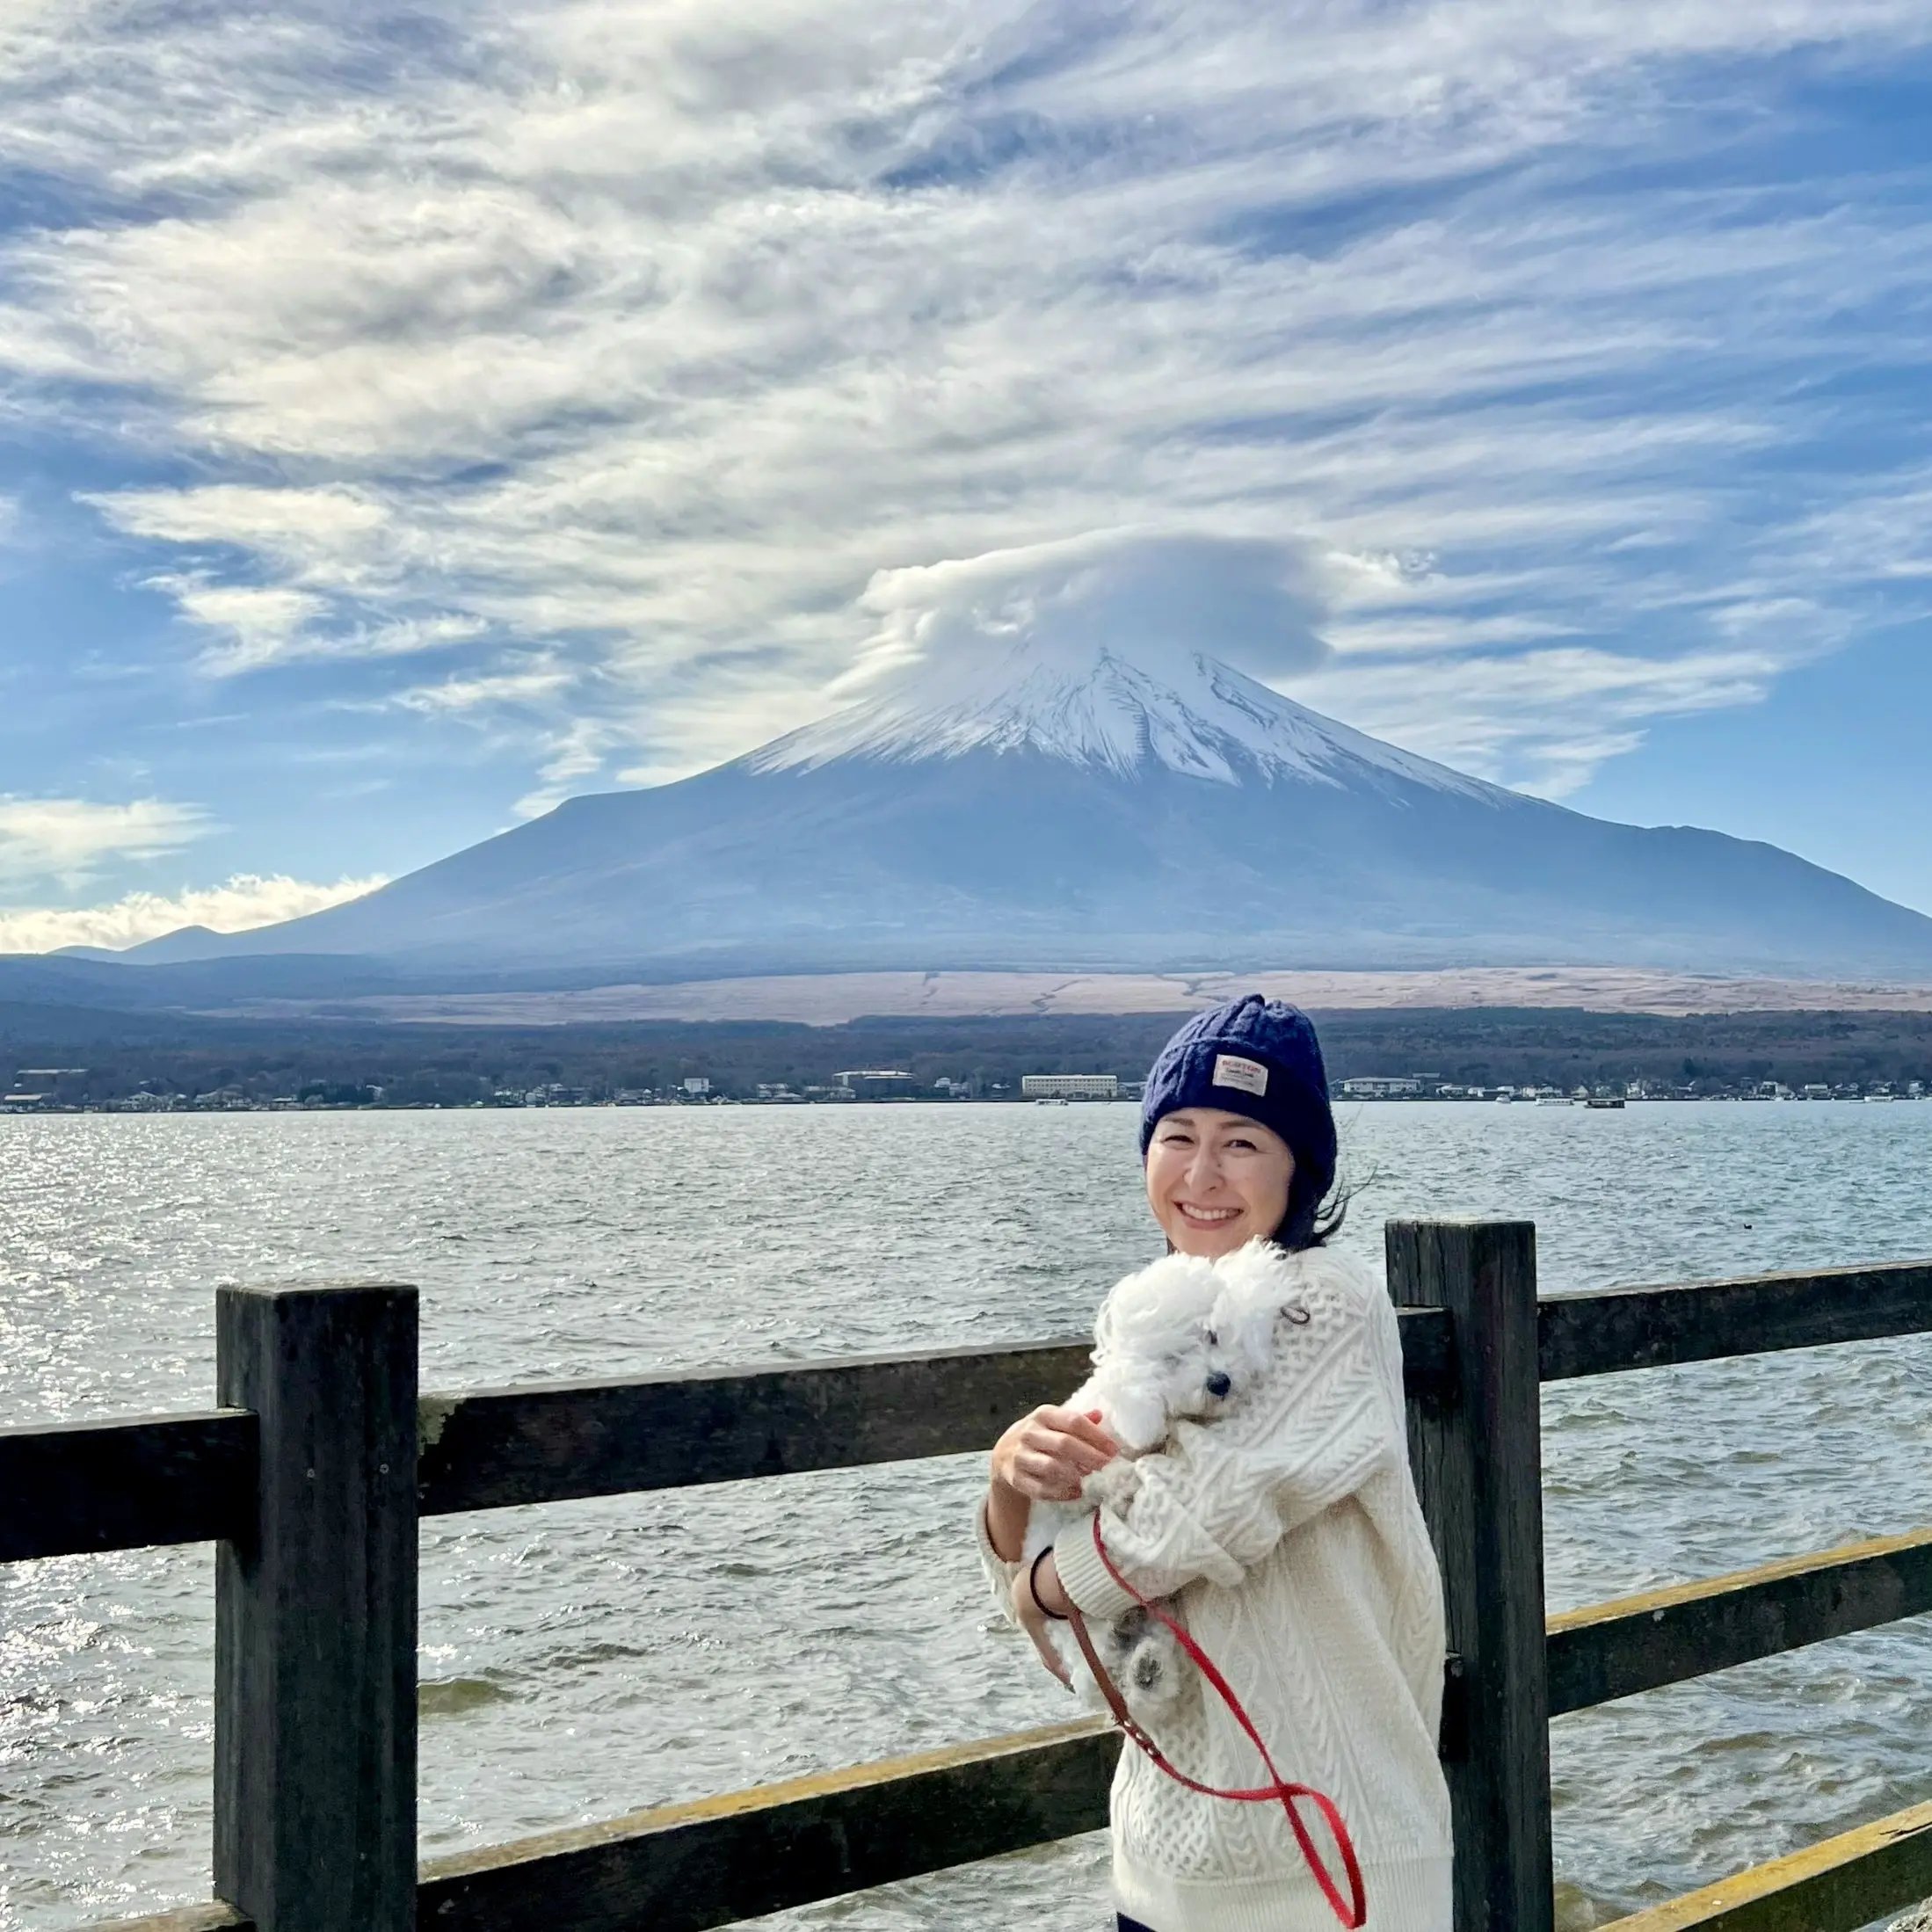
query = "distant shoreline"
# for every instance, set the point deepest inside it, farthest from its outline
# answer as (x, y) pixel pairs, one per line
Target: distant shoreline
(179, 1104)
(121, 1062)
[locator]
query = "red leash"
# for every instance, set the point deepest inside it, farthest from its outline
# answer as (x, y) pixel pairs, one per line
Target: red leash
(1352, 1911)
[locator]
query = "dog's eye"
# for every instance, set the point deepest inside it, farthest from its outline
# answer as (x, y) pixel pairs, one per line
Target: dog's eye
(1214, 1340)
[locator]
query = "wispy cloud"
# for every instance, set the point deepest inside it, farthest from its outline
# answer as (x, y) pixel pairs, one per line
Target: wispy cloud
(258, 625)
(643, 336)
(246, 901)
(1546, 718)
(571, 751)
(70, 839)
(255, 624)
(538, 683)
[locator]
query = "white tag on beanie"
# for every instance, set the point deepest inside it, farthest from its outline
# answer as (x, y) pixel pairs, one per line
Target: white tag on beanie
(1246, 1075)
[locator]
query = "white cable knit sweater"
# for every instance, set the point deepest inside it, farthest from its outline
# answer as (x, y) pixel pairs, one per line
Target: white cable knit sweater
(1287, 1531)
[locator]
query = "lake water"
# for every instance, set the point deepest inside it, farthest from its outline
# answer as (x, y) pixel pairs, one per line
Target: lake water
(592, 1658)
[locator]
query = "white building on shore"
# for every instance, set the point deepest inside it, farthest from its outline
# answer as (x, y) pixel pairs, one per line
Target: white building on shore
(1070, 1086)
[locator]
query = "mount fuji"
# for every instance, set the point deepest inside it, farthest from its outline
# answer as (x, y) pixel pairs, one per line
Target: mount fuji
(1110, 807)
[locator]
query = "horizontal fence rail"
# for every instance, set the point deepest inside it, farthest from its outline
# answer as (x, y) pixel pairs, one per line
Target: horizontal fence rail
(554, 1444)
(685, 1868)
(1476, 1344)
(89, 1486)
(1627, 1328)
(1846, 1881)
(693, 1866)
(215, 1916)
(1691, 1630)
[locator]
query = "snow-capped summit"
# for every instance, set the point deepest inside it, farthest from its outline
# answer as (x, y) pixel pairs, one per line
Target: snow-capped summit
(1186, 711)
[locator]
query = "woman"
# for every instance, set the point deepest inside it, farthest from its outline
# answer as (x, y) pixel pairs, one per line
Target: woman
(1286, 1532)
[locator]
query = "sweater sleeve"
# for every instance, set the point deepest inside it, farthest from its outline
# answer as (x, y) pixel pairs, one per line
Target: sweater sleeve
(1217, 1497)
(999, 1573)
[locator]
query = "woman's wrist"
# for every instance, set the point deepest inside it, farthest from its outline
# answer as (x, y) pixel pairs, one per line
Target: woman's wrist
(1048, 1592)
(1006, 1514)
(1040, 1603)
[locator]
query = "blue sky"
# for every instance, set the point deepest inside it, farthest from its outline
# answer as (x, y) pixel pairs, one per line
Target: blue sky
(406, 424)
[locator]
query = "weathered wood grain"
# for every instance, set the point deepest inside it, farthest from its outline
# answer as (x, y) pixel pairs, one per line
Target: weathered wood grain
(693, 1866)
(1837, 1886)
(547, 1444)
(314, 1629)
(1428, 1351)
(1701, 1321)
(1476, 1450)
(211, 1917)
(76, 1488)
(494, 1446)
(1639, 1642)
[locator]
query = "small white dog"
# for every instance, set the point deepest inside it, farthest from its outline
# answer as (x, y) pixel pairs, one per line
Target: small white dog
(1183, 1339)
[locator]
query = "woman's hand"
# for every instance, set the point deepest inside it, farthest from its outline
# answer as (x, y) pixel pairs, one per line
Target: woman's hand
(1043, 1457)
(1048, 1455)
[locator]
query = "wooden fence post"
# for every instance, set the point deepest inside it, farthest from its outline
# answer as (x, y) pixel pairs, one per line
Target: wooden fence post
(315, 1674)
(1476, 1449)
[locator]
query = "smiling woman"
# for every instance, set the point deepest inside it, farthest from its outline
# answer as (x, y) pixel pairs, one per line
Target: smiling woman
(1216, 1181)
(1276, 1519)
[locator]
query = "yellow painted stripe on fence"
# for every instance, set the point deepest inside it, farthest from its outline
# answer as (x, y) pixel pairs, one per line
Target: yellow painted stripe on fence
(758, 1797)
(1677, 1594)
(1812, 1890)
(215, 1917)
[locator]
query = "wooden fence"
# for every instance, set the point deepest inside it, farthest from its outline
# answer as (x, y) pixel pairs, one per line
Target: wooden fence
(311, 1476)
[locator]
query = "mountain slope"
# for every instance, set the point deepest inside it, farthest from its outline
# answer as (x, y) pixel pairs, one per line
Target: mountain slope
(1096, 813)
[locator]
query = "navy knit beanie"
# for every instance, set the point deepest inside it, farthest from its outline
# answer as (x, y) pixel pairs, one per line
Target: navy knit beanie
(1259, 1057)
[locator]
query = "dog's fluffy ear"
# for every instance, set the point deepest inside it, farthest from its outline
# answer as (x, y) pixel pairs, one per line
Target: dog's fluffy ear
(1252, 1292)
(1245, 1327)
(1137, 1413)
(1128, 1393)
(1145, 1312)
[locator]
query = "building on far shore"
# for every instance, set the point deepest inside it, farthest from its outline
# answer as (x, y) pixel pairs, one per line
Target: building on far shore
(878, 1083)
(1370, 1087)
(1070, 1086)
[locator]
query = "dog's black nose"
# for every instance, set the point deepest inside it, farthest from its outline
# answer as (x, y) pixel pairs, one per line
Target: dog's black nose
(1219, 1385)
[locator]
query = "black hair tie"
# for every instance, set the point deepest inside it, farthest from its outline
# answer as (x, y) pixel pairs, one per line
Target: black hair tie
(1033, 1576)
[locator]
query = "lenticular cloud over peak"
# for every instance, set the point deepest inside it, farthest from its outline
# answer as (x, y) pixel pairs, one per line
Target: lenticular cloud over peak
(1109, 649)
(1147, 596)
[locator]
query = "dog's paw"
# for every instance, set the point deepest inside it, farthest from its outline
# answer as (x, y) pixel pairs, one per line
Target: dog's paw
(1112, 1484)
(1154, 1674)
